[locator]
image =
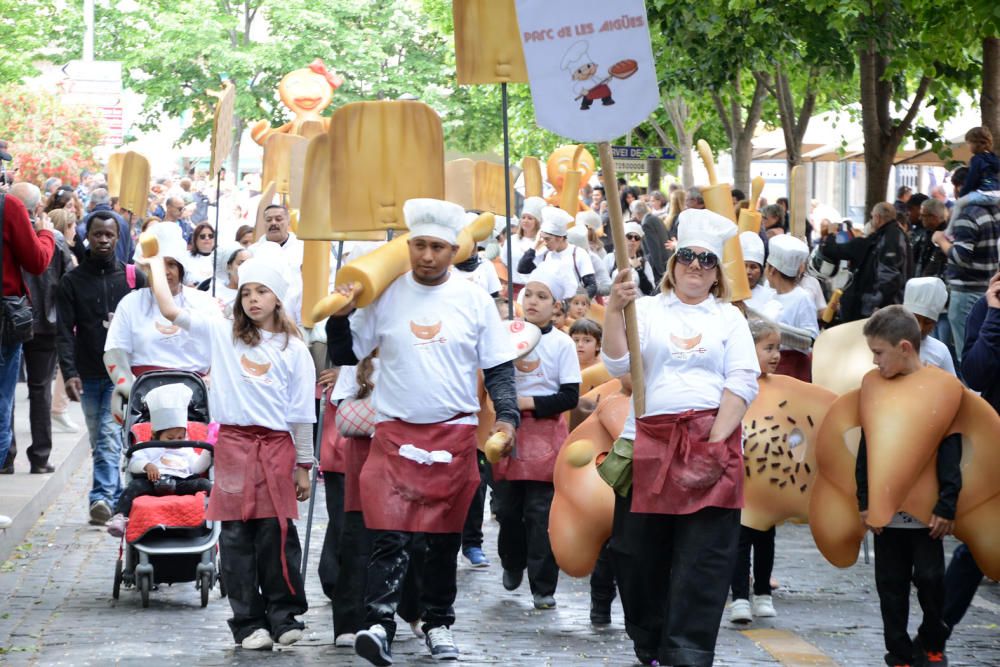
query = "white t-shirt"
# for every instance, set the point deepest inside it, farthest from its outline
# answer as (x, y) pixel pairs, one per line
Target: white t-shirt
(935, 353)
(197, 269)
(272, 384)
(150, 339)
(431, 340)
(225, 294)
(484, 275)
(811, 285)
(759, 298)
(347, 385)
(552, 363)
(182, 462)
(798, 310)
(518, 247)
(688, 354)
(576, 261)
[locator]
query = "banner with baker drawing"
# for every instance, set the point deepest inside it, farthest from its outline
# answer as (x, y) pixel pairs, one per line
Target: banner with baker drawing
(590, 66)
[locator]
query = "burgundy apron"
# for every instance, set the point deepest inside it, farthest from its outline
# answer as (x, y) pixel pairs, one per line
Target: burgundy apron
(795, 364)
(331, 450)
(355, 454)
(403, 495)
(253, 479)
(535, 449)
(675, 470)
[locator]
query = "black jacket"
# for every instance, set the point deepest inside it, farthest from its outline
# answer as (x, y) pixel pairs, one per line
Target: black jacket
(655, 235)
(880, 267)
(981, 354)
(86, 302)
(43, 288)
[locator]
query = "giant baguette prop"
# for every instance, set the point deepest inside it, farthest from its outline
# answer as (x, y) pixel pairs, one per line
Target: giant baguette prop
(719, 199)
(489, 188)
(266, 199)
(487, 42)
(532, 169)
(370, 275)
(831, 308)
(798, 202)
(750, 218)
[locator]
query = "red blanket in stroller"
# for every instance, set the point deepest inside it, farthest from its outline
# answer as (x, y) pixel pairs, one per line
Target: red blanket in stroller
(149, 512)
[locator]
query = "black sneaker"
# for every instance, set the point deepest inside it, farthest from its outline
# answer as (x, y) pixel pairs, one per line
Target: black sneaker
(373, 645)
(512, 579)
(441, 643)
(600, 613)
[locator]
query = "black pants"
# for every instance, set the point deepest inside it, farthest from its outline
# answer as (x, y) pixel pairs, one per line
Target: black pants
(40, 366)
(671, 571)
(523, 542)
(250, 552)
(329, 563)
(961, 580)
(602, 579)
(472, 532)
(903, 555)
(762, 543)
(140, 486)
(437, 584)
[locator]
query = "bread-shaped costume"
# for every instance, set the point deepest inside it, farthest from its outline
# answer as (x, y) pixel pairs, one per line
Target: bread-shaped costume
(583, 506)
(840, 357)
(902, 438)
(306, 93)
(569, 166)
(780, 429)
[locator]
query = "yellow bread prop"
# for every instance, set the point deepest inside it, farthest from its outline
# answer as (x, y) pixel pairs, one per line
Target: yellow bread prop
(222, 126)
(297, 173)
(798, 202)
(750, 218)
(561, 163)
(115, 161)
(489, 188)
(495, 445)
(532, 169)
(596, 313)
(831, 307)
(719, 199)
(488, 42)
(841, 357)
(315, 277)
(312, 128)
(266, 199)
(278, 161)
(382, 154)
(569, 200)
(314, 213)
(128, 179)
(149, 244)
(592, 377)
(460, 182)
(780, 429)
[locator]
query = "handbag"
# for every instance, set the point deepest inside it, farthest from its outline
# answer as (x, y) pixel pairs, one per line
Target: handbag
(17, 321)
(356, 418)
(616, 468)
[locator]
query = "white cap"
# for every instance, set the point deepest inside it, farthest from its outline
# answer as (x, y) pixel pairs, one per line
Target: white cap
(753, 247)
(577, 235)
(226, 250)
(268, 267)
(703, 229)
(590, 220)
(786, 254)
(633, 227)
(534, 206)
(925, 296)
(171, 243)
(434, 217)
(556, 276)
(555, 221)
(168, 406)
(575, 57)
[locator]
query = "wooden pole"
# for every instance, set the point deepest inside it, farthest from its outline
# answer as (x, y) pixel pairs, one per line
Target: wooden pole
(506, 190)
(621, 261)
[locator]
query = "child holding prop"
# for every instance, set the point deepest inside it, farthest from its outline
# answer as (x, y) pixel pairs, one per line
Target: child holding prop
(548, 384)
(262, 395)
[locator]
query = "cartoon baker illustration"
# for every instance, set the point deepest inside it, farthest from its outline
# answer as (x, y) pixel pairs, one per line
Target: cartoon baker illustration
(583, 70)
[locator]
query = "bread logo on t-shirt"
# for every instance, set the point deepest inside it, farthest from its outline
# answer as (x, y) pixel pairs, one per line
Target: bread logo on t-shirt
(685, 343)
(254, 368)
(425, 331)
(527, 365)
(166, 329)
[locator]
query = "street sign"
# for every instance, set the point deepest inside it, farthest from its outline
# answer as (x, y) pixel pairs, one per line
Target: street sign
(632, 159)
(97, 84)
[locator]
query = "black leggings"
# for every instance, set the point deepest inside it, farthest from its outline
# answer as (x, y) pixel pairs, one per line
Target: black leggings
(762, 542)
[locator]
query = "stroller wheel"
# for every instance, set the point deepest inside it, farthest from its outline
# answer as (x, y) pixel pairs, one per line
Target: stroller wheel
(145, 583)
(118, 579)
(206, 587)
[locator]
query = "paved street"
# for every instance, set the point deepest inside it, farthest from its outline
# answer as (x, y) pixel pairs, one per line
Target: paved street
(58, 610)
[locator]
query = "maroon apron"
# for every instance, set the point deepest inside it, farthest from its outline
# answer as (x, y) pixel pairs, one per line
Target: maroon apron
(536, 447)
(331, 450)
(675, 470)
(355, 454)
(253, 479)
(795, 364)
(403, 495)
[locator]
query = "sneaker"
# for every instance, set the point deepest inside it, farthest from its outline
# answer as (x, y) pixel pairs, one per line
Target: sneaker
(739, 611)
(289, 637)
(100, 512)
(373, 645)
(116, 527)
(512, 579)
(476, 557)
(600, 613)
(61, 423)
(259, 640)
(544, 601)
(441, 644)
(934, 659)
(344, 640)
(763, 606)
(415, 628)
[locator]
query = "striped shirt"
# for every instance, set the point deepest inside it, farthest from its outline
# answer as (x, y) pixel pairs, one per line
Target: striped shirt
(972, 260)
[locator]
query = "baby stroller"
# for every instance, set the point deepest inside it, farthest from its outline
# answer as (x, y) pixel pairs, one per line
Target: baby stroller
(167, 539)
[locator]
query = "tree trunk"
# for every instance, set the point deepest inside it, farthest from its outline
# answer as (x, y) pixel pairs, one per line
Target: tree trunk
(654, 169)
(793, 126)
(740, 132)
(682, 142)
(989, 100)
(234, 157)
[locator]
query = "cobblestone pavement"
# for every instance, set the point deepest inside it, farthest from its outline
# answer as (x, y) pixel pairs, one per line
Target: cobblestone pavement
(58, 610)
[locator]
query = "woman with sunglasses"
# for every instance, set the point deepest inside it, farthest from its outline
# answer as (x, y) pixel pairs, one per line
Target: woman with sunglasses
(200, 268)
(633, 245)
(677, 524)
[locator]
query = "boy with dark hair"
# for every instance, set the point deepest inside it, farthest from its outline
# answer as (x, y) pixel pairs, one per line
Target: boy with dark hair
(906, 549)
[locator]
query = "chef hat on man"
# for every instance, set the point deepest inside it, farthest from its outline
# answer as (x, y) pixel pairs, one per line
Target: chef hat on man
(925, 296)
(555, 276)
(434, 217)
(171, 243)
(786, 254)
(534, 206)
(577, 235)
(268, 267)
(753, 247)
(168, 406)
(590, 220)
(555, 221)
(576, 57)
(702, 228)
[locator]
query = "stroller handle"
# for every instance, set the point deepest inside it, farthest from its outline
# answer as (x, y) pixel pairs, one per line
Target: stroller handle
(170, 444)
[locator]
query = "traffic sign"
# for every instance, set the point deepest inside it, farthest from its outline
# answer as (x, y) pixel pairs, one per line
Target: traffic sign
(632, 159)
(97, 84)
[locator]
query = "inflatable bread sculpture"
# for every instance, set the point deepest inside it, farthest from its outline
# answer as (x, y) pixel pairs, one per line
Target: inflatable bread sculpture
(222, 125)
(902, 439)
(306, 93)
(277, 167)
(750, 218)
(532, 169)
(590, 400)
(488, 42)
(128, 179)
(567, 168)
(489, 188)
(719, 199)
(583, 505)
(841, 357)
(779, 450)
(297, 175)
(593, 376)
(460, 182)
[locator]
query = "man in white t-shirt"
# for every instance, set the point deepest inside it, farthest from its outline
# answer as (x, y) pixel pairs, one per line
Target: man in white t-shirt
(577, 263)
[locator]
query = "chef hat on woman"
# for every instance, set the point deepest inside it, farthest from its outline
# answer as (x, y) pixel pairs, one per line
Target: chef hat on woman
(787, 254)
(434, 217)
(753, 247)
(226, 251)
(702, 228)
(590, 220)
(268, 267)
(534, 206)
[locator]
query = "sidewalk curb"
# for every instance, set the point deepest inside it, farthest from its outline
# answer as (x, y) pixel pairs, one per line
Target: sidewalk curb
(25, 519)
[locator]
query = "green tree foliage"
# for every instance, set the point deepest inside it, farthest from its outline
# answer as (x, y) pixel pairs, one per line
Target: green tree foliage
(36, 30)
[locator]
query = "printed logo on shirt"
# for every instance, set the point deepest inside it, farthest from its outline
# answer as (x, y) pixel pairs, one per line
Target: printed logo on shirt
(166, 329)
(427, 334)
(687, 344)
(254, 371)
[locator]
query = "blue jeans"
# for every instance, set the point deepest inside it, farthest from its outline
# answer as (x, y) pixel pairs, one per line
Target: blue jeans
(10, 364)
(105, 440)
(959, 307)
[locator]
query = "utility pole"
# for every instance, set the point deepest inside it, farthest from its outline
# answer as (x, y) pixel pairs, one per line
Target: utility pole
(88, 30)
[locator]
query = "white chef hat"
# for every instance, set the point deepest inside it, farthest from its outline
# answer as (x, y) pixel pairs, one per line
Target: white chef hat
(786, 254)
(753, 247)
(633, 227)
(533, 206)
(925, 296)
(555, 221)
(590, 220)
(577, 235)
(268, 267)
(171, 243)
(704, 229)
(168, 406)
(434, 217)
(557, 277)
(575, 57)
(226, 250)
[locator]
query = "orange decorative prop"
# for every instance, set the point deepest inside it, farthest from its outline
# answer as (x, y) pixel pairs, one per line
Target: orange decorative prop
(561, 163)
(306, 93)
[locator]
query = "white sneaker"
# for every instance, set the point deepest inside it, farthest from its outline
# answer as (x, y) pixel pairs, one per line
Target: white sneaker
(259, 640)
(289, 637)
(441, 644)
(417, 630)
(763, 606)
(739, 612)
(345, 640)
(61, 423)
(5, 521)
(373, 645)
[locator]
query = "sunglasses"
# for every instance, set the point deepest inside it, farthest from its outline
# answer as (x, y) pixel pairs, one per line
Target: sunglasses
(633, 237)
(706, 260)
(206, 237)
